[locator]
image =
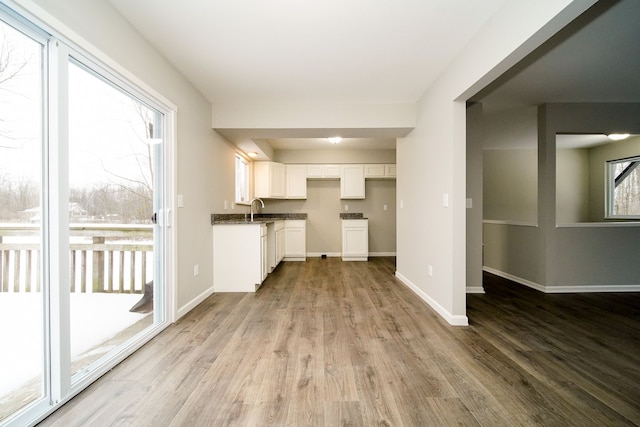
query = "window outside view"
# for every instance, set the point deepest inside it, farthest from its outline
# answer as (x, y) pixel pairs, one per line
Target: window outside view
(625, 176)
(110, 177)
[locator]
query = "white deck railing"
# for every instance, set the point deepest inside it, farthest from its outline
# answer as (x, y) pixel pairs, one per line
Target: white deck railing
(103, 257)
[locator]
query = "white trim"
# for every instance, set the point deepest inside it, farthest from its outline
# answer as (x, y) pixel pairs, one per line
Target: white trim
(590, 289)
(455, 320)
(375, 254)
(194, 303)
(563, 289)
(475, 290)
(604, 224)
(514, 223)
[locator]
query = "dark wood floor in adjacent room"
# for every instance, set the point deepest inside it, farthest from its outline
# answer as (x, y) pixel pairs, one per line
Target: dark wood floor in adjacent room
(327, 343)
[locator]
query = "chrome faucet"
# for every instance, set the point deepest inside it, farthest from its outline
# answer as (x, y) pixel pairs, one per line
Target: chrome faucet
(251, 206)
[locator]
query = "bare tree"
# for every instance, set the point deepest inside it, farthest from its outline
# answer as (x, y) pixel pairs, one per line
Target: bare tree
(13, 61)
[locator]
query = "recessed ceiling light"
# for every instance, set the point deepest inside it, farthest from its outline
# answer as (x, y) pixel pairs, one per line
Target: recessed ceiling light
(618, 136)
(334, 139)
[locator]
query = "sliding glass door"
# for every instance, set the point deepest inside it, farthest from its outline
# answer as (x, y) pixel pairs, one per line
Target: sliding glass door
(22, 296)
(84, 219)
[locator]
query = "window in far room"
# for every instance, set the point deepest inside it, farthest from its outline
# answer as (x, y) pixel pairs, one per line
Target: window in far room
(623, 184)
(242, 180)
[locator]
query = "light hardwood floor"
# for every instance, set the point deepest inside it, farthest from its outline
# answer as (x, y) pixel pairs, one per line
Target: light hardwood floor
(328, 343)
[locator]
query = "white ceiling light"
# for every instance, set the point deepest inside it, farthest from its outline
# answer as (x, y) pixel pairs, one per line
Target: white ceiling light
(618, 136)
(335, 139)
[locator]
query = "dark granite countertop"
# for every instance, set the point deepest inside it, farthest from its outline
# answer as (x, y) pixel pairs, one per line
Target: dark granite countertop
(261, 218)
(352, 215)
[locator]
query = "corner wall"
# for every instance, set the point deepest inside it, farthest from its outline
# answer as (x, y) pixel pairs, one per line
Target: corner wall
(432, 158)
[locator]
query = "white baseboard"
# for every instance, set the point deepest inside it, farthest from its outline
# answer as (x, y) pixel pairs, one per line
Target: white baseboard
(475, 290)
(455, 320)
(339, 254)
(319, 254)
(563, 289)
(194, 302)
(372, 254)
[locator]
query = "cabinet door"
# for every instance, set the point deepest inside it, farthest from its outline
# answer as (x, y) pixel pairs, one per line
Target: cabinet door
(296, 181)
(332, 171)
(390, 171)
(355, 240)
(352, 182)
(315, 171)
(295, 246)
(269, 179)
(278, 183)
(264, 260)
(374, 171)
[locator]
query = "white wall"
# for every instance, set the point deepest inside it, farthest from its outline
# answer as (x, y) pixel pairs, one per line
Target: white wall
(204, 159)
(431, 159)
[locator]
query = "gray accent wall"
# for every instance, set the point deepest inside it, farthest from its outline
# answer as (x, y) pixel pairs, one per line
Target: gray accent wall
(569, 248)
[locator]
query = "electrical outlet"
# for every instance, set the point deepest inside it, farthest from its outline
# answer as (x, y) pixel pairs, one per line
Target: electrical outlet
(226, 205)
(346, 207)
(445, 200)
(196, 269)
(384, 207)
(180, 201)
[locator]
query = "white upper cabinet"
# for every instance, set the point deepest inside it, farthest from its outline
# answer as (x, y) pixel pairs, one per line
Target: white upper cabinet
(296, 181)
(269, 180)
(380, 171)
(323, 171)
(352, 182)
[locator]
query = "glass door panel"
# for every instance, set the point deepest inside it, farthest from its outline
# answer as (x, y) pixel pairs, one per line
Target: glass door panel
(22, 350)
(112, 140)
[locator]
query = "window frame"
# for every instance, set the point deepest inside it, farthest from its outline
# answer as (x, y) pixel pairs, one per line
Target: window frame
(248, 190)
(610, 188)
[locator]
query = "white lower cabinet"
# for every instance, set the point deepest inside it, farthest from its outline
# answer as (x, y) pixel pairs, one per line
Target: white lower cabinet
(295, 240)
(239, 257)
(355, 239)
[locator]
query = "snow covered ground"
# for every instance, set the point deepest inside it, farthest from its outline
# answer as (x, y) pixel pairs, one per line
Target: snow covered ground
(95, 318)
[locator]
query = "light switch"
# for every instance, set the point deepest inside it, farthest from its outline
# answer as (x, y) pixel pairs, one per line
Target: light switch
(469, 203)
(384, 207)
(445, 200)
(180, 201)
(346, 207)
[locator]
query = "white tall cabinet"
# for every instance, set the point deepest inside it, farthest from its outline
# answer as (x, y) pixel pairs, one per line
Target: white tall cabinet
(352, 182)
(355, 239)
(296, 181)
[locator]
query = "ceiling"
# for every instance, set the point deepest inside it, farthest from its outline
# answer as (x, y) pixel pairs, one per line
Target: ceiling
(377, 52)
(596, 58)
(331, 52)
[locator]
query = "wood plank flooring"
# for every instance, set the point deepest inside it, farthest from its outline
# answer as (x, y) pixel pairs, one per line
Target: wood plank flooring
(328, 343)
